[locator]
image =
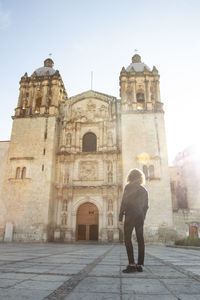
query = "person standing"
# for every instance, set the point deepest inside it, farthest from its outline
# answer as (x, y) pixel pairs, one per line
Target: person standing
(134, 206)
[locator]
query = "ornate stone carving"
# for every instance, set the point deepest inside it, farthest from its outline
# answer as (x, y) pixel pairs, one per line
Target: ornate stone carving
(88, 170)
(64, 219)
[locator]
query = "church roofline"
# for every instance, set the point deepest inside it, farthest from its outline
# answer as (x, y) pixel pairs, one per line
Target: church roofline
(92, 94)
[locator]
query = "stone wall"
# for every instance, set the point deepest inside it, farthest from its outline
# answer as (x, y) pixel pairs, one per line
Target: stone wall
(4, 145)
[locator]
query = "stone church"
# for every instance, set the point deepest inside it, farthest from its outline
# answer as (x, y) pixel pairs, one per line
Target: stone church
(65, 166)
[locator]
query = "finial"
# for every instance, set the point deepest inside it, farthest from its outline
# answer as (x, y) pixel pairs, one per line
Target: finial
(48, 63)
(136, 58)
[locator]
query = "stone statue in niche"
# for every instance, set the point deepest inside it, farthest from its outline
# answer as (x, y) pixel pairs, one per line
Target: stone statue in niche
(110, 205)
(110, 220)
(110, 166)
(110, 171)
(64, 219)
(64, 208)
(68, 139)
(110, 139)
(67, 178)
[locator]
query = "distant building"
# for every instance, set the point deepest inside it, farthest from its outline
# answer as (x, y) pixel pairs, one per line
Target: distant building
(67, 161)
(185, 187)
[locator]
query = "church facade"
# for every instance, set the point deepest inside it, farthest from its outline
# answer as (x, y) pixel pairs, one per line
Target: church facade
(65, 166)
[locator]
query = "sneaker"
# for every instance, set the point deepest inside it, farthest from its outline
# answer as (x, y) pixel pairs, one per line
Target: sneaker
(139, 268)
(130, 269)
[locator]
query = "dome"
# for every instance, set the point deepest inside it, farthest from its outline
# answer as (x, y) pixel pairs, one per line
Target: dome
(137, 65)
(47, 69)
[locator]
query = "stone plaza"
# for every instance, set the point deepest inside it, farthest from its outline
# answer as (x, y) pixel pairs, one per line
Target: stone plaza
(35, 271)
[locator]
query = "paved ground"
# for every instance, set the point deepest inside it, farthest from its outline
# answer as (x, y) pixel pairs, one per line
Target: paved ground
(93, 272)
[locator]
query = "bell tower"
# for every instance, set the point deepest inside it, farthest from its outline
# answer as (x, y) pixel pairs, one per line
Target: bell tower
(143, 136)
(41, 93)
(28, 191)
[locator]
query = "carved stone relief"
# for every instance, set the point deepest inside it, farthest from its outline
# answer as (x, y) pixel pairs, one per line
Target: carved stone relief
(88, 170)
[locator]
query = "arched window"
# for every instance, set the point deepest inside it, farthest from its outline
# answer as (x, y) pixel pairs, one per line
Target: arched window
(140, 97)
(140, 101)
(38, 103)
(151, 172)
(17, 175)
(145, 171)
(89, 142)
(23, 175)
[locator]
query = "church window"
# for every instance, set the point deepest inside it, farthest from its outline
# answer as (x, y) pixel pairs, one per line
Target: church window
(145, 171)
(38, 103)
(42, 168)
(89, 142)
(17, 176)
(44, 151)
(140, 97)
(140, 101)
(151, 172)
(23, 175)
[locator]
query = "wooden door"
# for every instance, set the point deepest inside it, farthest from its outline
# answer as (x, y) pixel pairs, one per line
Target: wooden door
(87, 222)
(193, 231)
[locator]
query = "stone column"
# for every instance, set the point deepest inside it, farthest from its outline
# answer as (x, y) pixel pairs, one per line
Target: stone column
(157, 90)
(147, 90)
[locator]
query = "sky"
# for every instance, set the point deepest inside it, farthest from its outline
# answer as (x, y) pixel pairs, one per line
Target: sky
(101, 36)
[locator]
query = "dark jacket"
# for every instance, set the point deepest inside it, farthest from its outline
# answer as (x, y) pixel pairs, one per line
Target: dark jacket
(134, 203)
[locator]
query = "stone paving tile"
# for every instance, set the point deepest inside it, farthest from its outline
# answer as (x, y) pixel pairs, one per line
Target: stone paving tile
(165, 271)
(182, 285)
(67, 269)
(188, 297)
(40, 285)
(35, 270)
(143, 286)
(50, 278)
(17, 276)
(92, 296)
(148, 297)
(23, 294)
(105, 270)
(99, 284)
(5, 283)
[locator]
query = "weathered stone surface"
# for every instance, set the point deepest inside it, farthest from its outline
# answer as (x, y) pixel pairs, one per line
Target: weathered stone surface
(165, 276)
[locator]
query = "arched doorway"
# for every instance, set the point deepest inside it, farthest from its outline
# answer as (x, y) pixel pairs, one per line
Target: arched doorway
(87, 222)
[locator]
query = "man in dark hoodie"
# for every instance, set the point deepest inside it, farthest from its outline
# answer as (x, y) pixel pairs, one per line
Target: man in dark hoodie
(134, 206)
